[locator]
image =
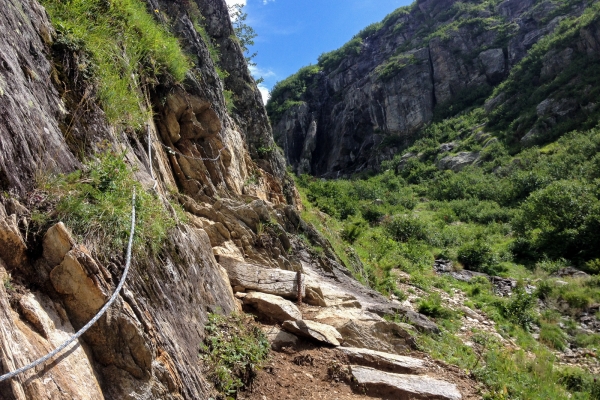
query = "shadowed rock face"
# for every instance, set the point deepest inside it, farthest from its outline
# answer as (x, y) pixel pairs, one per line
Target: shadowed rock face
(371, 105)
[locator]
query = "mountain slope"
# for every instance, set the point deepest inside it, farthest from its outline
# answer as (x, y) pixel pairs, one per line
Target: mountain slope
(368, 100)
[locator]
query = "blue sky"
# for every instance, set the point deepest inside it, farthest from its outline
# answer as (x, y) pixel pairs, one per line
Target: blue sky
(293, 33)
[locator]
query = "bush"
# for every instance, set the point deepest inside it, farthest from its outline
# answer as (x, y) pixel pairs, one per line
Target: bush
(330, 61)
(553, 336)
(234, 348)
(96, 205)
(479, 256)
(371, 213)
(351, 232)
(406, 227)
(519, 308)
(432, 307)
(290, 92)
(561, 220)
(123, 40)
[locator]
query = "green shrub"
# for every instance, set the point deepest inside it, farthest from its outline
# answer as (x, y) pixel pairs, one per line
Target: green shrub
(432, 307)
(371, 213)
(96, 205)
(351, 232)
(331, 60)
(553, 336)
(561, 220)
(127, 47)
(406, 227)
(519, 308)
(290, 92)
(577, 299)
(479, 256)
(233, 350)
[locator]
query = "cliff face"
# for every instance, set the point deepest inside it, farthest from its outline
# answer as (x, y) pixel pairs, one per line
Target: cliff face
(51, 120)
(367, 101)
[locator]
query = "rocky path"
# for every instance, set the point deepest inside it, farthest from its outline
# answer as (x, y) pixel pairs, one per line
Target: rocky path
(337, 345)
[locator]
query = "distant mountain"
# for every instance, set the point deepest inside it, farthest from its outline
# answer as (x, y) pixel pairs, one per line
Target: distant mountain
(532, 65)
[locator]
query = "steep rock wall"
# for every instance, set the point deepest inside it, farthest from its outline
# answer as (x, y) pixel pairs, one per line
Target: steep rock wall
(147, 345)
(422, 62)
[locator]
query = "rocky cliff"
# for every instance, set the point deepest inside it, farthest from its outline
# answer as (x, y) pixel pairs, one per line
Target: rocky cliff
(368, 100)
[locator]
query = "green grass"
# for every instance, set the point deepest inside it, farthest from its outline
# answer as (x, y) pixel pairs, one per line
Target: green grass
(95, 203)
(233, 350)
(122, 48)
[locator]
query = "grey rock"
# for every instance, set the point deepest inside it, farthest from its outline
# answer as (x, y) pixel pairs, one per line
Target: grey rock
(265, 280)
(445, 147)
(396, 386)
(279, 339)
(384, 361)
(419, 321)
(459, 161)
(314, 330)
(494, 64)
(365, 329)
(274, 307)
(570, 272)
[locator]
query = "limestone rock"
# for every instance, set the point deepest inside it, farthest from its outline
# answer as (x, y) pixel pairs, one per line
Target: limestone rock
(274, 307)
(386, 385)
(314, 330)
(254, 277)
(377, 335)
(459, 161)
(494, 64)
(12, 246)
(57, 243)
(384, 361)
(280, 339)
(419, 321)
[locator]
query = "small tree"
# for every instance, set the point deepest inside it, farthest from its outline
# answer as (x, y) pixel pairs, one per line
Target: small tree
(244, 32)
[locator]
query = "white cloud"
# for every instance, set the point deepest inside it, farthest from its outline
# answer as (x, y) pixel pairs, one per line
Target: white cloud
(258, 72)
(264, 93)
(267, 1)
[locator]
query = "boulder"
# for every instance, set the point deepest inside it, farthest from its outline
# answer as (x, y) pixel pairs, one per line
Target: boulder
(365, 329)
(254, 277)
(493, 63)
(314, 330)
(57, 243)
(83, 296)
(384, 361)
(396, 386)
(419, 321)
(570, 272)
(274, 307)
(279, 339)
(459, 161)
(12, 246)
(445, 147)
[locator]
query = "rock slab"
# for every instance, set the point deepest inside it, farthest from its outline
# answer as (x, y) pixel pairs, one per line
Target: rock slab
(384, 361)
(274, 307)
(265, 280)
(386, 385)
(314, 330)
(279, 338)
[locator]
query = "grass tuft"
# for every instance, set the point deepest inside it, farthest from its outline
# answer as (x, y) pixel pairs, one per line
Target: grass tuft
(234, 349)
(126, 50)
(96, 204)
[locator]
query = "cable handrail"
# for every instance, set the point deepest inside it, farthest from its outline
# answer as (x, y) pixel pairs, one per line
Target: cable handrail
(98, 315)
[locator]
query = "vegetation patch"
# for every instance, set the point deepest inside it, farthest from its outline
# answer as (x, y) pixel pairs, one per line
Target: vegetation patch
(95, 203)
(125, 50)
(290, 91)
(234, 349)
